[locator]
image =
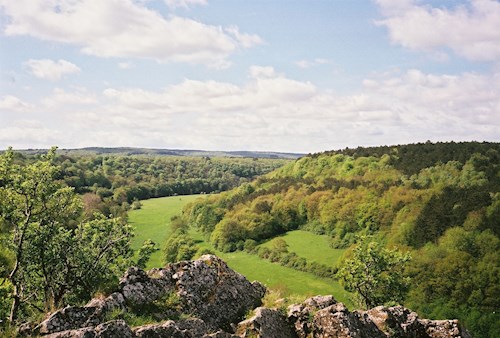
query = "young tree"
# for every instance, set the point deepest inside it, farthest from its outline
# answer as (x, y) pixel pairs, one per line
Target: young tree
(53, 255)
(375, 274)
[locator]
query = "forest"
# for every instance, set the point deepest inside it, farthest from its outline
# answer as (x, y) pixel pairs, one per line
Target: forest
(433, 207)
(440, 203)
(110, 183)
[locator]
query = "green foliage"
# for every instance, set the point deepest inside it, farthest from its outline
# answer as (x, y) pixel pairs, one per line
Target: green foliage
(50, 256)
(446, 209)
(129, 178)
(279, 245)
(97, 255)
(375, 274)
(409, 196)
(412, 158)
(136, 204)
(461, 271)
(166, 307)
(5, 300)
(112, 183)
(179, 247)
(145, 252)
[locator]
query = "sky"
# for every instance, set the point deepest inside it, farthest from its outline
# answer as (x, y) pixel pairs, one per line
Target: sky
(289, 76)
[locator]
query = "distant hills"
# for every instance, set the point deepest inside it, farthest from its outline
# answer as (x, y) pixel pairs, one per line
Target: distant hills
(165, 152)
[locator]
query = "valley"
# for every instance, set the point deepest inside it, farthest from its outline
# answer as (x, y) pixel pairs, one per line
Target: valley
(150, 222)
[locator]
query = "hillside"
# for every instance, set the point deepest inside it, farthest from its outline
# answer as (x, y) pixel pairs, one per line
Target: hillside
(127, 151)
(439, 202)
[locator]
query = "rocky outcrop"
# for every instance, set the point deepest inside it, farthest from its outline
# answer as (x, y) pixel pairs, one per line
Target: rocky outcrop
(205, 298)
(300, 315)
(205, 288)
(323, 317)
(113, 328)
(266, 323)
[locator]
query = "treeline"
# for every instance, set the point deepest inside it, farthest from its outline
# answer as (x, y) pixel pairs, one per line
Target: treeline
(445, 210)
(110, 184)
(411, 158)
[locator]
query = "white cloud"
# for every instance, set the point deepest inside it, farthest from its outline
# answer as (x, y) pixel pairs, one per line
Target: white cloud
(274, 112)
(51, 70)
(124, 28)
(472, 30)
(11, 103)
(265, 90)
(262, 72)
(23, 134)
(245, 40)
(173, 4)
(60, 97)
(312, 63)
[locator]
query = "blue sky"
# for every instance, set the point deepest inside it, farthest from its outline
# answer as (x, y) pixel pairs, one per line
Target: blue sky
(297, 76)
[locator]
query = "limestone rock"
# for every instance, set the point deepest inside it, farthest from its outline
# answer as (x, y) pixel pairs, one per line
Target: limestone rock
(300, 315)
(139, 288)
(337, 321)
(207, 288)
(220, 334)
(444, 329)
(397, 321)
(266, 323)
(210, 290)
(322, 316)
(114, 328)
(111, 329)
(187, 328)
(69, 318)
(86, 332)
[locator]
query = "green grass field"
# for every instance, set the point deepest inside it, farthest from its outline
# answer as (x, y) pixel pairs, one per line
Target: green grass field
(311, 246)
(153, 220)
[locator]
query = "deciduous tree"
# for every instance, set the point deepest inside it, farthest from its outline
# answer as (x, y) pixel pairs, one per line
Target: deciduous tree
(54, 255)
(375, 274)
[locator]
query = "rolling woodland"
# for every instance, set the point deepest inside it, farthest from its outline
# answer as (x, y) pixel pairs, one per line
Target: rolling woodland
(436, 205)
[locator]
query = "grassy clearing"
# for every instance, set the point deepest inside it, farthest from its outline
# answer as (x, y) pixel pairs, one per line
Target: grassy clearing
(286, 280)
(311, 246)
(152, 221)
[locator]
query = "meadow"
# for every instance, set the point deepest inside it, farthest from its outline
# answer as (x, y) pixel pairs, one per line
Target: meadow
(314, 248)
(153, 221)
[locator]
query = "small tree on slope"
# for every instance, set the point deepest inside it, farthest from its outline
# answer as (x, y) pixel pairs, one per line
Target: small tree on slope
(375, 274)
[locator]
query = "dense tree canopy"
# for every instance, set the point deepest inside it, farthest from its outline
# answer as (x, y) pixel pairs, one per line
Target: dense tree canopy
(419, 198)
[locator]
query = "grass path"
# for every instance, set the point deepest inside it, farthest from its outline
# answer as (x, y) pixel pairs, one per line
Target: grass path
(153, 220)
